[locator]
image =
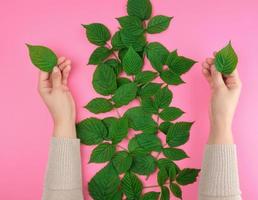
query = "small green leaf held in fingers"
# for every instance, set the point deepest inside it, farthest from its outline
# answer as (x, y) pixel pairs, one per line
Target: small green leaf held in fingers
(226, 59)
(42, 57)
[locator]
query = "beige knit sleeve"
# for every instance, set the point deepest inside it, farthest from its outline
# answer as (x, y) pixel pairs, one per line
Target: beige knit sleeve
(63, 176)
(219, 175)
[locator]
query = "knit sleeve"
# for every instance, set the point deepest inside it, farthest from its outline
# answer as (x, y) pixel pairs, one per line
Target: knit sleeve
(219, 175)
(63, 179)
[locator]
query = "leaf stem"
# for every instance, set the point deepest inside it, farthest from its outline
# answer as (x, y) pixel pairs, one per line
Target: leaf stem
(153, 186)
(109, 46)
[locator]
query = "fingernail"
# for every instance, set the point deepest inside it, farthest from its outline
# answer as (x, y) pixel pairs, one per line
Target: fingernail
(55, 69)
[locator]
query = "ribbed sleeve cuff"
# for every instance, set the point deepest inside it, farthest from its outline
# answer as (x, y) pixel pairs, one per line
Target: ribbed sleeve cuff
(64, 165)
(219, 175)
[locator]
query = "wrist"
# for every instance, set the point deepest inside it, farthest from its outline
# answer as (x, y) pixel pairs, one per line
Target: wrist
(65, 130)
(220, 135)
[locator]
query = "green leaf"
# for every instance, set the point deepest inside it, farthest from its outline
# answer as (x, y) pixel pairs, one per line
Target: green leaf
(122, 81)
(162, 176)
(149, 90)
(135, 148)
(158, 24)
(143, 164)
(226, 59)
(187, 176)
(145, 77)
(108, 122)
(179, 64)
(42, 57)
(117, 42)
(104, 80)
(121, 53)
(163, 98)
(170, 167)
(165, 194)
(137, 42)
(171, 78)
(176, 190)
(149, 142)
(118, 130)
(99, 105)
(150, 196)
(125, 94)
(178, 134)
(105, 184)
(174, 153)
(131, 186)
(122, 161)
(164, 127)
(91, 131)
(98, 55)
(171, 113)
(102, 153)
(139, 8)
(131, 24)
(115, 65)
(132, 62)
(148, 105)
(157, 55)
(139, 120)
(97, 33)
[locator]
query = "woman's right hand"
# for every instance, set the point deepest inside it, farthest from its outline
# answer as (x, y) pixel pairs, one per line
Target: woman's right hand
(225, 92)
(54, 91)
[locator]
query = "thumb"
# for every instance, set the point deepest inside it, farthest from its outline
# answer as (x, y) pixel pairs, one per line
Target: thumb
(216, 77)
(56, 77)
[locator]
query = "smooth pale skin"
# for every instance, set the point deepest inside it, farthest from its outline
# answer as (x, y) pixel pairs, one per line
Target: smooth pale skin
(55, 93)
(225, 92)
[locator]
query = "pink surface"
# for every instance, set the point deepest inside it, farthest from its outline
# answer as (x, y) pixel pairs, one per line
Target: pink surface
(199, 27)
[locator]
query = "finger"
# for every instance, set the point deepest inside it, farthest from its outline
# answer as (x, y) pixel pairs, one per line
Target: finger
(43, 79)
(65, 74)
(216, 76)
(56, 77)
(210, 61)
(232, 79)
(206, 71)
(60, 60)
(64, 64)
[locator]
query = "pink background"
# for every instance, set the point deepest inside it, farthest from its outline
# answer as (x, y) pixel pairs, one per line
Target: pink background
(199, 28)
